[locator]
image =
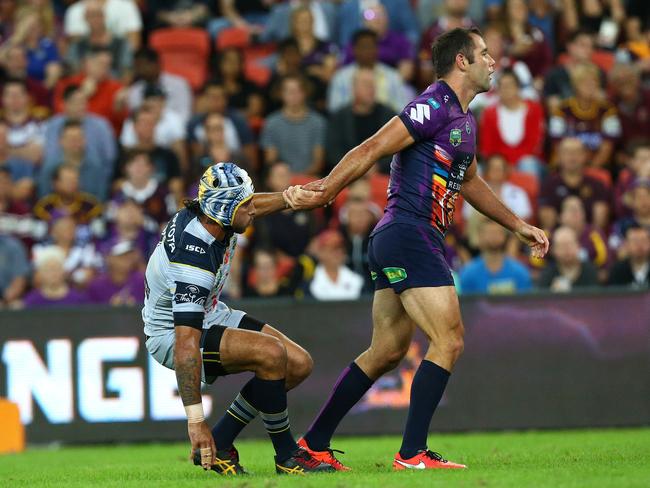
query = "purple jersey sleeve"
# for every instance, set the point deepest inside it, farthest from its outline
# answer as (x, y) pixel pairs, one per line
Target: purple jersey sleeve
(424, 116)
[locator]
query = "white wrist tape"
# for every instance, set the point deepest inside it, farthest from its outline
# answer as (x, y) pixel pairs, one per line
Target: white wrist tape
(194, 413)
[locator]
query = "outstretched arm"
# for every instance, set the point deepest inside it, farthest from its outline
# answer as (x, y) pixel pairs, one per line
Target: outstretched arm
(480, 196)
(391, 138)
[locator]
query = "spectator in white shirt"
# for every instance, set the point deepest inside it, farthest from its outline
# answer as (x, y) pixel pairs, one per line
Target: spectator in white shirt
(332, 279)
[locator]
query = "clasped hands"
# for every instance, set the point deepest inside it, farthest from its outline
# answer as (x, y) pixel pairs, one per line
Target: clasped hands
(306, 197)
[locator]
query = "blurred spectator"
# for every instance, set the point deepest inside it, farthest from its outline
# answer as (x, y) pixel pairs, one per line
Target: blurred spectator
(637, 168)
(455, 13)
(602, 16)
(122, 19)
(251, 15)
(428, 11)
(166, 162)
(495, 174)
(351, 125)
(278, 25)
(237, 133)
(66, 198)
(588, 117)
(399, 12)
(7, 16)
(394, 47)
(13, 60)
(390, 88)
(141, 186)
(558, 85)
(95, 173)
(636, 49)
(81, 261)
(105, 96)
(243, 94)
(593, 247)
(288, 232)
(332, 279)
(358, 218)
(572, 180)
(50, 285)
(100, 36)
(31, 32)
(493, 271)
(180, 13)
(634, 270)
(525, 42)
(514, 127)
(95, 127)
(496, 44)
(544, 16)
(265, 278)
(567, 271)
(147, 71)
(638, 198)
(25, 136)
(14, 270)
(215, 147)
(15, 216)
(170, 127)
(123, 282)
(295, 134)
(632, 102)
(129, 224)
(318, 58)
(20, 170)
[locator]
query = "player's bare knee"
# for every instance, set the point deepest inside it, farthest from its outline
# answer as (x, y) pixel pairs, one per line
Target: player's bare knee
(389, 360)
(273, 357)
(299, 367)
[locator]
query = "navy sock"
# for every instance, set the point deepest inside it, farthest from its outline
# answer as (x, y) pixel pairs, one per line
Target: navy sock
(270, 398)
(239, 415)
(426, 391)
(348, 390)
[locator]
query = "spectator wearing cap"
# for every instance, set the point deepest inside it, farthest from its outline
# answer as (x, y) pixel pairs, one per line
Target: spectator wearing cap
(295, 134)
(571, 179)
(13, 60)
(14, 270)
(51, 288)
(123, 19)
(354, 123)
(147, 71)
(390, 88)
(494, 272)
(634, 269)
(99, 35)
(95, 173)
(25, 123)
(586, 116)
(514, 127)
(105, 95)
(333, 280)
(81, 260)
(566, 271)
(95, 127)
(123, 282)
(141, 186)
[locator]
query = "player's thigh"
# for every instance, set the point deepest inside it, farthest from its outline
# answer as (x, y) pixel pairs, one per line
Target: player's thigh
(248, 350)
(392, 329)
(435, 310)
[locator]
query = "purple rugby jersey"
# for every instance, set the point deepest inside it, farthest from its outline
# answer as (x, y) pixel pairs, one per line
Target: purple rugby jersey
(425, 178)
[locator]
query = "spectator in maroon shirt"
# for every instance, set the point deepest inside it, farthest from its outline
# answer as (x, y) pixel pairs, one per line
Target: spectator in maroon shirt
(572, 180)
(14, 63)
(514, 127)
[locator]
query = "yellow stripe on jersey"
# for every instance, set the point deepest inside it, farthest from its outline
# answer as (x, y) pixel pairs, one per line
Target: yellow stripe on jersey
(440, 180)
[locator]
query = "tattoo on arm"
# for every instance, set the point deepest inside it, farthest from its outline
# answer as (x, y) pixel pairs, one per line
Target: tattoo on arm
(187, 363)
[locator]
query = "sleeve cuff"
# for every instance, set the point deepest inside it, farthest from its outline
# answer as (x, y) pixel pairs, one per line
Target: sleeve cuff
(409, 126)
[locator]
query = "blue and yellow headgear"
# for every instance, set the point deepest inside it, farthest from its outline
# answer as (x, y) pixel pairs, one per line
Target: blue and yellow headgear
(223, 188)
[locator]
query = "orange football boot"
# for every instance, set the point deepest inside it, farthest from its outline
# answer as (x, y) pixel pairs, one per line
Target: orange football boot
(424, 459)
(326, 456)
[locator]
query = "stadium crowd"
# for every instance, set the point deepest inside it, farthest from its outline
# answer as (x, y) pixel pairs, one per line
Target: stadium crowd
(112, 109)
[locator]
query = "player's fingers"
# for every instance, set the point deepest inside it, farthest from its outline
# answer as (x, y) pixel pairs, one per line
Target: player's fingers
(213, 446)
(206, 457)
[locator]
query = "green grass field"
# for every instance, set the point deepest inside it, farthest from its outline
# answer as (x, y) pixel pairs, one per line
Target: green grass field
(599, 458)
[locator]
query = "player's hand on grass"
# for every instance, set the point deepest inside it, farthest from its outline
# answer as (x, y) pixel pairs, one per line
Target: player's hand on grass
(202, 441)
(300, 198)
(534, 238)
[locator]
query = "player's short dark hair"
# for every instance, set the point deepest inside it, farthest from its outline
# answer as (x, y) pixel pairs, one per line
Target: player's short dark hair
(363, 33)
(508, 71)
(445, 48)
(193, 206)
(70, 90)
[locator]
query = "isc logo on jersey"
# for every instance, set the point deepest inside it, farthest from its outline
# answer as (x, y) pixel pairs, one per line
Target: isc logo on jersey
(420, 113)
(194, 248)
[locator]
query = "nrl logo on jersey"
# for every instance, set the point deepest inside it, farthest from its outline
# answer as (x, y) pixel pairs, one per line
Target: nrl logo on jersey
(455, 137)
(420, 112)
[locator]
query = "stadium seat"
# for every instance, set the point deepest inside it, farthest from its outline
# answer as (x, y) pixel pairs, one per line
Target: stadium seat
(183, 52)
(257, 73)
(233, 37)
(603, 59)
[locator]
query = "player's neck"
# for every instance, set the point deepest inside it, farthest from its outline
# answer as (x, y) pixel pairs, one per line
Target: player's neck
(214, 229)
(459, 86)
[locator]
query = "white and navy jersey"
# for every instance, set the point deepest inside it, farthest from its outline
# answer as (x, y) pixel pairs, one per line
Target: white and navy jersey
(185, 276)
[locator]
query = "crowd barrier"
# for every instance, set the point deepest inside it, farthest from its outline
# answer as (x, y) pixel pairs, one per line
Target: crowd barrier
(532, 361)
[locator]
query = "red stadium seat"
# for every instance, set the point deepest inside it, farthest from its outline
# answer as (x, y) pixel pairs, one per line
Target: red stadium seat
(257, 73)
(183, 52)
(233, 37)
(528, 182)
(603, 59)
